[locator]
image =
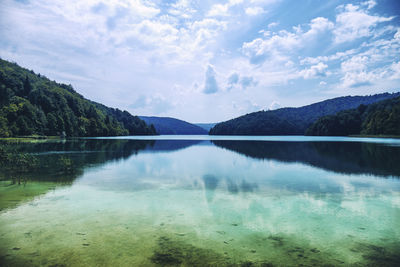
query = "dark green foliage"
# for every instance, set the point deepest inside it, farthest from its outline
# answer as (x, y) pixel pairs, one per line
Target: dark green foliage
(345, 123)
(382, 118)
(14, 163)
(165, 125)
(32, 104)
(258, 123)
(293, 121)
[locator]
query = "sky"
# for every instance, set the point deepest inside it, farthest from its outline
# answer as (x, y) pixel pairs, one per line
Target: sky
(207, 61)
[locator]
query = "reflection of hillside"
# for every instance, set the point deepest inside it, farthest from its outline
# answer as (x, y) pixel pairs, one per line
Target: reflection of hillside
(172, 145)
(341, 157)
(65, 161)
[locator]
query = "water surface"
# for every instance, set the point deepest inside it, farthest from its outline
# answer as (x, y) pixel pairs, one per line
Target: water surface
(261, 201)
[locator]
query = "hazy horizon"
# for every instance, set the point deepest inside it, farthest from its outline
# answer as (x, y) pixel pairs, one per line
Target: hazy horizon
(207, 61)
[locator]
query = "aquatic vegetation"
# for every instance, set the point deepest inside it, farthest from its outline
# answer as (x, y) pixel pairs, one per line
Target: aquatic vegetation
(13, 193)
(173, 252)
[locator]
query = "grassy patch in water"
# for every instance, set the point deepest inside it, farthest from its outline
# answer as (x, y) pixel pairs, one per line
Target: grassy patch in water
(30, 139)
(379, 255)
(170, 252)
(252, 250)
(13, 193)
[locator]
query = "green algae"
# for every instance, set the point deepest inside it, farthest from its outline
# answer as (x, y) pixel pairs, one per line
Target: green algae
(16, 192)
(380, 254)
(175, 252)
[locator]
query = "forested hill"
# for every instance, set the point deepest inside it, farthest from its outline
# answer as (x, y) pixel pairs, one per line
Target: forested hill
(31, 104)
(292, 121)
(381, 118)
(165, 125)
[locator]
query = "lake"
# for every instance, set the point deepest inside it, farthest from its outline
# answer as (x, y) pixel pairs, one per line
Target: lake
(202, 200)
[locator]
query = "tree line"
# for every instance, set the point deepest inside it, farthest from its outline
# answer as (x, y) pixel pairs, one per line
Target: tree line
(382, 118)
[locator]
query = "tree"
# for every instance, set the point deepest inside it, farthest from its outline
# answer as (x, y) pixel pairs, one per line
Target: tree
(27, 86)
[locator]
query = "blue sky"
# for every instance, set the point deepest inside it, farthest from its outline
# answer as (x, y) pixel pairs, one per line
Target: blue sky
(207, 61)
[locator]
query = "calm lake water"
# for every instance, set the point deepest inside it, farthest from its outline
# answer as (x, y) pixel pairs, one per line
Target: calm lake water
(200, 200)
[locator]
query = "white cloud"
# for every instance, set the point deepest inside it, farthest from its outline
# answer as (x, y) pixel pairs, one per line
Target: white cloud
(254, 11)
(246, 106)
(337, 56)
(154, 33)
(218, 10)
(395, 68)
(233, 78)
(281, 44)
(237, 81)
(156, 104)
(353, 22)
(369, 4)
(247, 81)
(210, 83)
(260, 49)
(357, 79)
(140, 102)
(222, 10)
(356, 63)
(397, 35)
(274, 105)
(317, 26)
(264, 2)
(272, 25)
(319, 70)
(183, 9)
(356, 72)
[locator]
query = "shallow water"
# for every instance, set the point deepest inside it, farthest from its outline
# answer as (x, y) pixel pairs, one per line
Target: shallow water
(196, 202)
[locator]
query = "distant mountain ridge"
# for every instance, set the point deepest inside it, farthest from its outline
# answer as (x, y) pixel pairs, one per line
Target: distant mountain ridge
(170, 126)
(31, 104)
(205, 126)
(292, 121)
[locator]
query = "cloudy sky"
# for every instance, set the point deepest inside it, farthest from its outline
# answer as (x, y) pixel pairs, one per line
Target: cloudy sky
(207, 61)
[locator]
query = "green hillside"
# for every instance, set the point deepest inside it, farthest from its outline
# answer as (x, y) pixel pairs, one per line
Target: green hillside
(382, 118)
(31, 104)
(292, 121)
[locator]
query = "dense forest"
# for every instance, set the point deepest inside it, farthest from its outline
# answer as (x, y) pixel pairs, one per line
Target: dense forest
(31, 104)
(382, 118)
(292, 121)
(166, 125)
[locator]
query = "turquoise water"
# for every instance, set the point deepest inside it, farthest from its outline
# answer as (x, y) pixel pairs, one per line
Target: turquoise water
(192, 201)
